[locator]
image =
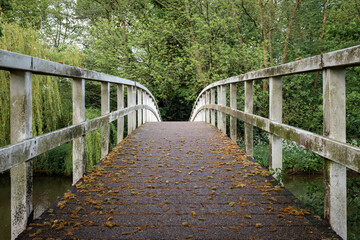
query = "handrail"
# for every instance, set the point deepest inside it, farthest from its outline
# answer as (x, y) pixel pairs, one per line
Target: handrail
(342, 58)
(16, 61)
(24, 147)
(332, 146)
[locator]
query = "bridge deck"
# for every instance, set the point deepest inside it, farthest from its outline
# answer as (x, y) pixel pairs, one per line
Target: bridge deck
(177, 180)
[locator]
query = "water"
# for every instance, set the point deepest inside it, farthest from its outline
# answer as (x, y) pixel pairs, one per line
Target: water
(297, 184)
(46, 191)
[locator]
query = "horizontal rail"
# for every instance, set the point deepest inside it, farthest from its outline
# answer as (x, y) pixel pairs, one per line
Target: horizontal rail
(12, 155)
(338, 156)
(341, 58)
(337, 151)
(15, 61)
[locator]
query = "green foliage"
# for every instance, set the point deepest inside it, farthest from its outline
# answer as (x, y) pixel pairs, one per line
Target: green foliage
(314, 200)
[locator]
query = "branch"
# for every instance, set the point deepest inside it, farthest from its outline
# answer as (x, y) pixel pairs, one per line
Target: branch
(247, 14)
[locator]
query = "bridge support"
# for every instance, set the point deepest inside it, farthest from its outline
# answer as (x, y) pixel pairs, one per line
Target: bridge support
(233, 104)
(275, 114)
(221, 115)
(105, 109)
(21, 129)
(78, 92)
(139, 112)
(144, 112)
(335, 127)
(120, 105)
(212, 101)
(130, 119)
(249, 103)
(207, 111)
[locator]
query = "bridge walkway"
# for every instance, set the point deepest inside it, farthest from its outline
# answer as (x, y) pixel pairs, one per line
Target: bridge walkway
(177, 180)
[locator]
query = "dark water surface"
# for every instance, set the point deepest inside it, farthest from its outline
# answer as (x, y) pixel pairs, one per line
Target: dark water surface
(46, 191)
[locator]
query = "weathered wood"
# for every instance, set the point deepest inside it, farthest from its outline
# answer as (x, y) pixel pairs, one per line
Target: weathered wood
(233, 104)
(16, 61)
(143, 110)
(275, 114)
(163, 193)
(78, 93)
(120, 105)
(335, 128)
(139, 112)
(20, 130)
(339, 152)
(248, 129)
(129, 104)
(213, 120)
(105, 109)
(207, 116)
(222, 98)
(15, 154)
(344, 57)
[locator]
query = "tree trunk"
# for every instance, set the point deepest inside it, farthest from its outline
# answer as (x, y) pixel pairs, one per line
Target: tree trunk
(264, 35)
(321, 37)
(194, 44)
(289, 31)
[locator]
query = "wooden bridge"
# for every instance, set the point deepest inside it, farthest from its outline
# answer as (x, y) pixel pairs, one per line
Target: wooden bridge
(178, 180)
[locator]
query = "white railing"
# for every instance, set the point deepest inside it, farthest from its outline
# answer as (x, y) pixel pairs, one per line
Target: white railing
(24, 147)
(332, 145)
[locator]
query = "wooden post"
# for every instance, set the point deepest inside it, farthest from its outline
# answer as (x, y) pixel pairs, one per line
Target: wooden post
(212, 101)
(248, 129)
(222, 98)
(139, 112)
(78, 92)
(134, 112)
(203, 112)
(207, 117)
(218, 103)
(120, 105)
(275, 114)
(144, 110)
(21, 129)
(105, 109)
(233, 104)
(129, 104)
(335, 127)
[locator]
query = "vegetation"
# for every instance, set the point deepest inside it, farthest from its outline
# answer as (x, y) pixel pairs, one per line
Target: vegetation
(175, 48)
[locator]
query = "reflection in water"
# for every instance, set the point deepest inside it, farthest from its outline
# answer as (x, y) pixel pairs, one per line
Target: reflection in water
(297, 184)
(46, 191)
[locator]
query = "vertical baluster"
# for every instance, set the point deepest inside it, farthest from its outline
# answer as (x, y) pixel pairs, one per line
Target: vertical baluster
(334, 106)
(275, 114)
(248, 131)
(218, 103)
(134, 104)
(207, 110)
(222, 120)
(212, 110)
(129, 104)
(140, 110)
(203, 111)
(143, 110)
(78, 92)
(21, 129)
(105, 109)
(233, 104)
(120, 105)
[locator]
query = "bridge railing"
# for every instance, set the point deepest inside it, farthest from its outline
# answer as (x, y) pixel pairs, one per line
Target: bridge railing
(24, 147)
(332, 145)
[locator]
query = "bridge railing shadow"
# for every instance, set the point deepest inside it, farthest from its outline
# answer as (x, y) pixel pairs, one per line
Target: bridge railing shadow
(141, 108)
(210, 107)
